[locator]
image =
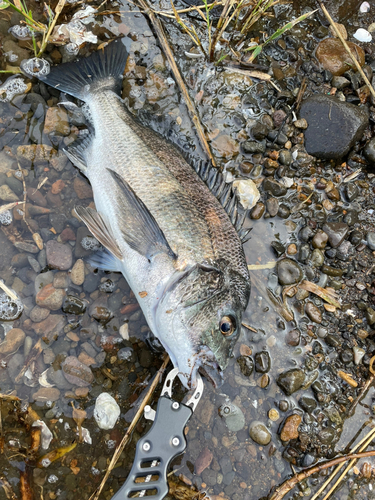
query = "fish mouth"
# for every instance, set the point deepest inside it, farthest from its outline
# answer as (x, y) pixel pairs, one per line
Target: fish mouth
(206, 364)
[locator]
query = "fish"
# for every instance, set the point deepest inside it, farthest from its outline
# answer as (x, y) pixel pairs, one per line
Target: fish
(163, 224)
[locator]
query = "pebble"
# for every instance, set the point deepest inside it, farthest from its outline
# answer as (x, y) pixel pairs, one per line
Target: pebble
(370, 238)
(288, 272)
(246, 365)
(358, 354)
(59, 256)
(293, 337)
(334, 126)
(248, 193)
(307, 404)
(262, 362)
(273, 415)
(272, 205)
(106, 411)
(259, 433)
(61, 280)
(46, 394)
(320, 240)
(50, 297)
(257, 211)
(82, 188)
(292, 249)
(370, 316)
(274, 187)
(332, 55)
(317, 258)
(6, 194)
(203, 461)
(369, 151)
(225, 146)
(313, 312)
(301, 123)
(56, 122)
(38, 314)
(74, 305)
(291, 380)
(36, 152)
(13, 341)
(336, 232)
(77, 373)
(254, 147)
(290, 428)
(233, 416)
(77, 274)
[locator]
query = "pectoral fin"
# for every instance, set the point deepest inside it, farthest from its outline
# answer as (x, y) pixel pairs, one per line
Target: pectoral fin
(139, 228)
(98, 227)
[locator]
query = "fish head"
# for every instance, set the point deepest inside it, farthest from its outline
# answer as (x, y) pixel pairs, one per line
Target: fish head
(199, 320)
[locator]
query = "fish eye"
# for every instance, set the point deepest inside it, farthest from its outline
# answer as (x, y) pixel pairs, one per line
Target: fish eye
(227, 325)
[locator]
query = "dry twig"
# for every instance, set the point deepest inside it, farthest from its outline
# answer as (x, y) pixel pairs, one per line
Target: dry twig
(289, 484)
(131, 427)
(364, 389)
(353, 58)
(327, 295)
(157, 25)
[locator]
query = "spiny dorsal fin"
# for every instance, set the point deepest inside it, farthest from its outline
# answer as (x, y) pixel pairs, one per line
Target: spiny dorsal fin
(224, 192)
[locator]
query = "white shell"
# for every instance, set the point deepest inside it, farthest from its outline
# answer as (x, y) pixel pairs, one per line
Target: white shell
(362, 35)
(106, 411)
(365, 7)
(43, 380)
(47, 435)
(247, 192)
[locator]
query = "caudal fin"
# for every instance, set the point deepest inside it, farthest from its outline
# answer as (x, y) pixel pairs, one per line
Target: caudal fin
(102, 70)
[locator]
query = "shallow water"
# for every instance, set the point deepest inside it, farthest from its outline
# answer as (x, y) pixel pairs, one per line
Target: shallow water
(240, 468)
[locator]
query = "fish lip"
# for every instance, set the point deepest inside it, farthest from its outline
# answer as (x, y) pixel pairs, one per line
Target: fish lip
(207, 366)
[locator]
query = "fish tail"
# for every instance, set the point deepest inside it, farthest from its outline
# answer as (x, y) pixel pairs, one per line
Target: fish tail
(102, 70)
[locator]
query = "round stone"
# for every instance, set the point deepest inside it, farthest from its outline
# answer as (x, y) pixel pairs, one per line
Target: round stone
(291, 380)
(259, 433)
(289, 272)
(273, 414)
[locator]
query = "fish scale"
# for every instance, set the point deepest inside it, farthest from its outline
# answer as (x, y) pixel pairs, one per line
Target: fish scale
(161, 225)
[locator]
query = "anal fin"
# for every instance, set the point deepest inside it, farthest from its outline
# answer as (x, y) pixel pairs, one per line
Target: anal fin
(98, 227)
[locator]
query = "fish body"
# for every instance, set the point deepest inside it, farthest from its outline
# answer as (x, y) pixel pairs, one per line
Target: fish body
(161, 225)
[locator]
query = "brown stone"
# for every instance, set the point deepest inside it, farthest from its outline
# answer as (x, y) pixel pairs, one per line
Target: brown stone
(36, 197)
(203, 461)
(46, 394)
(12, 342)
(290, 428)
(57, 186)
(67, 235)
(36, 152)
(50, 297)
(225, 146)
(56, 122)
(334, 58)
(292, 338)
(82, 188)
(53, 325)
(258, 211)
(59, 256)
(86, 359)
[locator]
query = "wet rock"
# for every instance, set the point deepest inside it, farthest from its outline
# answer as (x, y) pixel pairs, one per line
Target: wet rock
(327, 435)
(288, 272)
(209, 476)
(290, 428)
(370, 238)
(52, 325)
(36, 152)
(313, 312)
(247, 192)
(233, 416)
(73, 305)
(61, 280)
(6, 194)
(293, 337)
(56, 122)
(334, 126)
(46, 394)
(257, 211)
(76, 372)
(278, 248)
(274, 187)
(336, 232)
(259, 433)
(13, 341)
(279, 117)
(254, 147)
(320, 239)
(369, 151)
(67, 235)
(291, 380)
(259, 131)
(352, 191)
(285, 157)
(370, 315)
(26, 247)
(82, 188)
(331, 271)
(59, 256)
(317, 258)
(283, 211)
(106, 411)
(246, 365)
(225, 146)
(302, 123)
(262, 362)
(38, 314)
(358, 354)
(50, 297)
(203, 461)
(307, 404)
(332, 55)
(272, 205)
(78, 272)
(99, 310)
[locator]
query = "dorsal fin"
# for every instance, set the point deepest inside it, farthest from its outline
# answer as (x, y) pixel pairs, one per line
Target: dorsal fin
(224, 192)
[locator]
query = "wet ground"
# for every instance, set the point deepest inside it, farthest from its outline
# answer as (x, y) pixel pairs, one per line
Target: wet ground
(314, 218)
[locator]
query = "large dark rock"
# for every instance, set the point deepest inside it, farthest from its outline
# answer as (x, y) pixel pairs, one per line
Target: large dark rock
(334, 126)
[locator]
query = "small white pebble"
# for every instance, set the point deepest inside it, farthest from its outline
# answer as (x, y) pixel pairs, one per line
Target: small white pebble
(362, 35)
(365, 7)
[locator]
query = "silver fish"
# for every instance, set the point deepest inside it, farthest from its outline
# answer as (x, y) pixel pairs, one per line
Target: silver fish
(163, 228)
